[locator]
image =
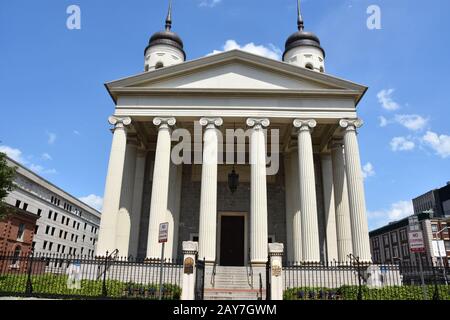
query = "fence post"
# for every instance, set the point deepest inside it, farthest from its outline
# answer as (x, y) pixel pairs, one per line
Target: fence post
(190, 249)
(29, 287)
(104, 289)
(276, 284)
(358, 266)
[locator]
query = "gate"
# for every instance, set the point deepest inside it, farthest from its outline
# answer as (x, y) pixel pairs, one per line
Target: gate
(200, 279)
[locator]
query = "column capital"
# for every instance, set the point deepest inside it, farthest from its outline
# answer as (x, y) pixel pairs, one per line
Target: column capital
(211, 123)
(305, 124)
(164, 123)
(190, 247)
(258, 123)
(351, 124)
(119, 122)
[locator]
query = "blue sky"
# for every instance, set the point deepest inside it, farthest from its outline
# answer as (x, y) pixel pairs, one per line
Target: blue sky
(55, 108)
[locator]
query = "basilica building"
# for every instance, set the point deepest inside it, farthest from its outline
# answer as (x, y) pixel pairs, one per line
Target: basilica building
(235, 151)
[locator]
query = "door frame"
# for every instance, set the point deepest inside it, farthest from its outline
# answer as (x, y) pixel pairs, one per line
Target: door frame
(219, 232)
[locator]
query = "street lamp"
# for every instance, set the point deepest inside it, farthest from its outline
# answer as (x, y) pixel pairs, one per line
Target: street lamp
(440, 256)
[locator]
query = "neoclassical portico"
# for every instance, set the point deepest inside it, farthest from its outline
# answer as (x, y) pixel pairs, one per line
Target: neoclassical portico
(299, 181)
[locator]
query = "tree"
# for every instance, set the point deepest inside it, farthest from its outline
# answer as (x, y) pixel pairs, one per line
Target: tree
(7, 174)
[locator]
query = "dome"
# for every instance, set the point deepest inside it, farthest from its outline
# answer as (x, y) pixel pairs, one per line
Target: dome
(303, 38)
(168, 38)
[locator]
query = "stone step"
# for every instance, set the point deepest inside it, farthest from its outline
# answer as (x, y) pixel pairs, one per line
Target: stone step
(232, 294)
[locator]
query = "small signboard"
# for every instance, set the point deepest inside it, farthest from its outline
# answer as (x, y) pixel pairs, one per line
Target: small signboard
(416, 243)
(439, 250)
(163, 232)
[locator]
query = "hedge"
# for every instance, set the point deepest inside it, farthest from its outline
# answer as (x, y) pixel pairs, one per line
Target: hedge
(56, 285)
(351, 293)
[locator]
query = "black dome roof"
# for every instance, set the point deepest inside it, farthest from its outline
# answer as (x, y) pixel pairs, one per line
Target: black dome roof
(302, 38)
(166, 37)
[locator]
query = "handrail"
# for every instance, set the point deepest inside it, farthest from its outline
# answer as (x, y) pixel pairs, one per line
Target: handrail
(213, 277)
(250, 274)
(115, 253)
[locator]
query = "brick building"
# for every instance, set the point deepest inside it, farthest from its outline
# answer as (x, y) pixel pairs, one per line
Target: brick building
(17, 231)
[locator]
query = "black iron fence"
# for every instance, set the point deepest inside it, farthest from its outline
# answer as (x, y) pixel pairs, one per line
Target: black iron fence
(110, 277)
(358, 281)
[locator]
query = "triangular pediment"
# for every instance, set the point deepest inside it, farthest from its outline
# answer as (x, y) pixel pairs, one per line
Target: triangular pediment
(232, 71)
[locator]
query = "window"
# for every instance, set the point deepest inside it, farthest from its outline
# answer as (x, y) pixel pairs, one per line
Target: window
(33, 245)
(78, 226)
(50, 214)
(434, 228)
(25, 206)
(53, 231)
(36, 228)
(387, 253)
(63, 249)
(20, 232)
(76, 239)
(84, 237)
(55, 216)
(15, 260)
(71, 237)
(18, 203)
(394, 237)
(403, 235)
(62, 219)
(50, 246)
(70, 250)
(39, 212)
(74, 224)
(309, 66)
(67, 221)
(65, 235)
(47, 229)
(85, 226)
(386, 240)
(447, 245)
(405, 250)
(61, 233)
(58, 248)
(44, 245)
(395, 252)
(159, 65)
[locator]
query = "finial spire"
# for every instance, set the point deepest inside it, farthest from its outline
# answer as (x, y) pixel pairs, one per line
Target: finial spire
(169, 17)
(300, 22)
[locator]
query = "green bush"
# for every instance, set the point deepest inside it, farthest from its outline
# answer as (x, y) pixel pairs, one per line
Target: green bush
(56, 285)
(351, 293)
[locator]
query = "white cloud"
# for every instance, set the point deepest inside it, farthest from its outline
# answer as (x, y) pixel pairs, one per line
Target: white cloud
(209, 3)
(46, 156)
(13, 153)
(76, 132)
(51, 137)
(412, 122)
(439, 143)
(94, 201)
(385, 98)
(40, 169)
(383, 121)
(368, 170)
(402, 144)
(270, 52)
(397, 211)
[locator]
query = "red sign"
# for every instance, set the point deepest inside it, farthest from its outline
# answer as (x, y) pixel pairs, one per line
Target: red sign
(416, 243)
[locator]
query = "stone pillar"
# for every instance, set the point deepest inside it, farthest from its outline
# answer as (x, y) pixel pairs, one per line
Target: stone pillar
(293, 214)
(329, 207)
(343, 226)
(111, 200)
(258, 192)
(126, 199)
(173, 212)
(208, 198)
(360, 230)
(160, 186)
(276, 267)
(138, 191)
(189, 269)
(308, 204)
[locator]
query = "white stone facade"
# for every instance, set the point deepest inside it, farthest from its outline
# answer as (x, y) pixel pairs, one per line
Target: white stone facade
(65, 224)
(313, 204)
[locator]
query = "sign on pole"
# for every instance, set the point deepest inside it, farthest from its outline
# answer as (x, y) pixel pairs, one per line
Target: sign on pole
(163, 232)
(416, 243)
(439, 250)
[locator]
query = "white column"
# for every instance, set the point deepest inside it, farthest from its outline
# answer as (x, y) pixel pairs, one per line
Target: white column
(360, 230)
(126, 200)
(329, 207)
(173, 212)
(138, 191)
(258, 193)
(293, 214)
(107, 233)
(343, 225)
(276, 276)
(160, 186)
(308, 202)
(208, 198)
